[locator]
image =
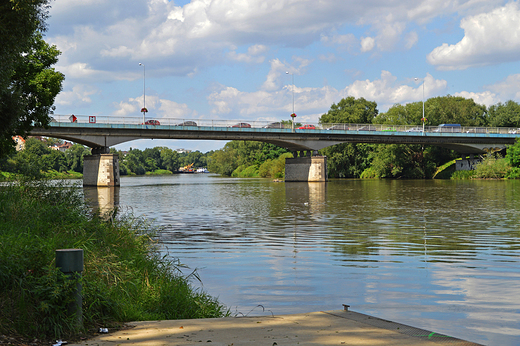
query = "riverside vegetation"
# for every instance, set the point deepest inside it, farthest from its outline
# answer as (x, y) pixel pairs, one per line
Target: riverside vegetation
(388, 161)
(125, 278)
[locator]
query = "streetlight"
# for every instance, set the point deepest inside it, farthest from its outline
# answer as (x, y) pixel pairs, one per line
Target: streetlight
(144, 110)
(423, 118)
(293, 115)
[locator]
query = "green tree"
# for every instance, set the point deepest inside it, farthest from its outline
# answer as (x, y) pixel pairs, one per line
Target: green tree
(408, 114)
(348, 160)
(135, 162)
(169, 159)
(75, 155)
(504, 114)
(55, 160)
(28, 161)
(401, 161)
(351, 110)
(223, 161)
(455, 110)
(28, 98)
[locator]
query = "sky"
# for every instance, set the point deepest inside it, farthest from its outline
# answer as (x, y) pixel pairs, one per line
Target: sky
(247, 60)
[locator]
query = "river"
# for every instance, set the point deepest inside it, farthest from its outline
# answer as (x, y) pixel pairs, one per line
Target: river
(438, 255)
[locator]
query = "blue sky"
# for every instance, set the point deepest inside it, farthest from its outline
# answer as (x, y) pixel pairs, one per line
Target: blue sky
(227, 59)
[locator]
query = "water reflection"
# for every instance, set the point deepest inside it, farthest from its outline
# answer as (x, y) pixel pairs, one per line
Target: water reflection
(439, 255)
(102, 199)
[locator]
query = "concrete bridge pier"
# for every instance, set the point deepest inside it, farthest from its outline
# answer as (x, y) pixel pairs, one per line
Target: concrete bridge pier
(306, 167)
(101, 168)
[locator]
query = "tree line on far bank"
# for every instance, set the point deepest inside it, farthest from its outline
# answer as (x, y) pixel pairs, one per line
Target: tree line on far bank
(362, 160)
(37, 159)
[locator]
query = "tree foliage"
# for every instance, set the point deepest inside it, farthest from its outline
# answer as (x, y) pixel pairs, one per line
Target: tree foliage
(408, 114)
(455, 110)
(37, 157)
(239, 156)
(351, 110)
(28, 83)
(504, 114)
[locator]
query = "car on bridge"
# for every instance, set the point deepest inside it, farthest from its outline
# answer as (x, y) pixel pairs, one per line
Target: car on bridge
(339, 127)
(415, 129)
(152, 122)
(187, 123)
(276, 125)
(452, 128)
(367, 128)
(307, 127)
(242, 125)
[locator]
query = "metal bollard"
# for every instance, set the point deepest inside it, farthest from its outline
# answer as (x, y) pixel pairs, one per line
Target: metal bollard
(70, 263)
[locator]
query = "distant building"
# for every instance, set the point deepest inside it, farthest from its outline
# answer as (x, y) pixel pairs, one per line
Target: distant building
(62, 147)
(20, 143)
(183, 151)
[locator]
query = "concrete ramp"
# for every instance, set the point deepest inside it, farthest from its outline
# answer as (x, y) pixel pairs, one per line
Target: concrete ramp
(315, 328)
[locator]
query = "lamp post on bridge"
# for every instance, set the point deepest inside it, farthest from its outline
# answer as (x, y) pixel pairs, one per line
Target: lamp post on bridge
(144, 110)
(293, 115)
(423, 118)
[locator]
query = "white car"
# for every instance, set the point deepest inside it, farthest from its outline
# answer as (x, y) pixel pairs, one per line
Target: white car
(514, 132)
(415, 129)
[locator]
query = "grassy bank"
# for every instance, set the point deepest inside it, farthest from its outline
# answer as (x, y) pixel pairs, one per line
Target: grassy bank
(52, 174)
(124, 278)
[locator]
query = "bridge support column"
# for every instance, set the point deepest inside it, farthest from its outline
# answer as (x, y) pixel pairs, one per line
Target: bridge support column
(306, 169)
(465, 164)
(101, 170)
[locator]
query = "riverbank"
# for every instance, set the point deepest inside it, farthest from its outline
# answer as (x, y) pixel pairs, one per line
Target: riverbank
(124, 279)
(316, 328)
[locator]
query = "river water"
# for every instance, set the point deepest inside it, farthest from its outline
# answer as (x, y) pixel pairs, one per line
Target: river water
(438, 255)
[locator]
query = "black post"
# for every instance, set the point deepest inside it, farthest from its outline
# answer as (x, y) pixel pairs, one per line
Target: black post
(70, 263)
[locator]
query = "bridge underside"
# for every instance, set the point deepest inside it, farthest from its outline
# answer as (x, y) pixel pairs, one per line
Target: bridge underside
(102, 169)
(103, 137)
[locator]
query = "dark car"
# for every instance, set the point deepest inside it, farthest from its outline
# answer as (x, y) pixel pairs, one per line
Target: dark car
(242, 125)
(152, 122)
(339, 127)
(307, 127)
(187, 123)
(274, 126)
(367, 128)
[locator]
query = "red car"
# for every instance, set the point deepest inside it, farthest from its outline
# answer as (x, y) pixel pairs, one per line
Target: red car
(307, 127)
(152, 122)
(243, 125)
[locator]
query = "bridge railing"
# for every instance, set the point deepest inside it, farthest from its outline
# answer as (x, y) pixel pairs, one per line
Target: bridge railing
(66, 120)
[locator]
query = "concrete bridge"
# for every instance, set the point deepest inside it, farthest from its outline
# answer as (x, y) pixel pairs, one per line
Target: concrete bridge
(100, 133)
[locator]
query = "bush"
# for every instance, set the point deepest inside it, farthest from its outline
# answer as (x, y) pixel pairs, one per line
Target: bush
(492, 167)
(369, 173)
(124, 278)
(462, 175)
(514, 173)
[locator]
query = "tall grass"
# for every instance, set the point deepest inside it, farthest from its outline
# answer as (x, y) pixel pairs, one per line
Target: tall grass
(124, 277)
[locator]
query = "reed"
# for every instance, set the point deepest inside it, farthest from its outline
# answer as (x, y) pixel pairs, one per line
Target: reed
(125, 277)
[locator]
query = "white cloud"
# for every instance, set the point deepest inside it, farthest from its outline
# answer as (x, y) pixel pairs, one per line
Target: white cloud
(314, 101)
(367, 44)
(508, 89)
(386, 91)
(252, 56)
(157, 108)
(112, 35)
(411, 39)
(78, 95)
(489, 38)
(347, 40)
(486, 98)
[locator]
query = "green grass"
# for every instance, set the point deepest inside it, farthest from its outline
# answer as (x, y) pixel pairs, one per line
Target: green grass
(125, 278)
(159, 172)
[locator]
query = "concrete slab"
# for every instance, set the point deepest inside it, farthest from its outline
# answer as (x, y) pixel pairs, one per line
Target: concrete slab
(315, 328)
